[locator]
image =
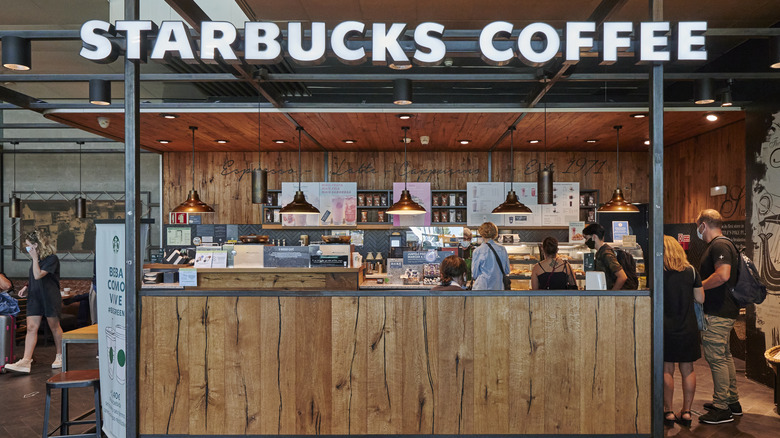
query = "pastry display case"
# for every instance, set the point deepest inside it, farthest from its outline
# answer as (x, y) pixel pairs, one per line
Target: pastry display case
(523, 256)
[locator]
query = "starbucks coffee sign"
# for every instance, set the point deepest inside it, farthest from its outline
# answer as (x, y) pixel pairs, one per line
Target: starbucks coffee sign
(265, 43)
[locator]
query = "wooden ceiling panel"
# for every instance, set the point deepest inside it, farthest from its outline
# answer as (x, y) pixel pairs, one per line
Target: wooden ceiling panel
(382, 131)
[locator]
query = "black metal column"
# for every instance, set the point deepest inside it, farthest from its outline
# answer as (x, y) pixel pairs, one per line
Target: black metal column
(656, 256)
(133, 256)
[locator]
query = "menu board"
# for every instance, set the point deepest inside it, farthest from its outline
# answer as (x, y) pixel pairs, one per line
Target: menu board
(421, 194)
(484, 197)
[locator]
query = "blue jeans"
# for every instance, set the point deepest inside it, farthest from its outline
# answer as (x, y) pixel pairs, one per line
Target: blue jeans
(718, 355)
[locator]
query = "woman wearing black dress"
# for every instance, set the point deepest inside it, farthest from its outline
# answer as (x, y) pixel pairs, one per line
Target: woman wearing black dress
(682, 285)
(553, 272)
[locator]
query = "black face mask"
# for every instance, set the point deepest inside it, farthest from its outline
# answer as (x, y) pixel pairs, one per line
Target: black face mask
(590, 244)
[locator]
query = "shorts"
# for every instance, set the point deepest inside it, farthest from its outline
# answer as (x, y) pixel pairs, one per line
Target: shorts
(44, 303)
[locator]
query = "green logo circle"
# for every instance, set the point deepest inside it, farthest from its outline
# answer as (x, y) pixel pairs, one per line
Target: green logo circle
(120, 358)
(111, 354)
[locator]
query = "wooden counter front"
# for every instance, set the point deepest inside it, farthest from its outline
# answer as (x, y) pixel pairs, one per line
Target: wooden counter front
(319, 278)
(222, 365)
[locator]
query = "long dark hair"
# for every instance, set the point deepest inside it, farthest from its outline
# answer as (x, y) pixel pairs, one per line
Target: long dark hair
(451, 268)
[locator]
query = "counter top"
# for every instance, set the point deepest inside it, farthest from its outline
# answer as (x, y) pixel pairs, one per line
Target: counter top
(315, 270)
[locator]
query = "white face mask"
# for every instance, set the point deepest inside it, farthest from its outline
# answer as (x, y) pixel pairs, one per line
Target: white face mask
(699, 234)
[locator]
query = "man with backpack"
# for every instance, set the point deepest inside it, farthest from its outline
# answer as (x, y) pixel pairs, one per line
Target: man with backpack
(718, 269)
(606, 260)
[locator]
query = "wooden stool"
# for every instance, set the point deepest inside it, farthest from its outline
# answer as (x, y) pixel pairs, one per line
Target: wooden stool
(65, 381)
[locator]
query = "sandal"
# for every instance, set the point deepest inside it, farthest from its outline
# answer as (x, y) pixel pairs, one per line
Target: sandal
(669, 422)
(685, 421)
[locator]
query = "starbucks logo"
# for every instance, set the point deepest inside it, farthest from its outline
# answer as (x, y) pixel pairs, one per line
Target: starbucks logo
(115, 244)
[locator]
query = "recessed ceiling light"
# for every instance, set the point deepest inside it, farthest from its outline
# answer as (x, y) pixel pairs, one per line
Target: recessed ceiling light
(222, 141)
(404, 116)
(280, 141)
(533, 141)
(349, 141)
(395, 66)
(639, 115)
(591, 140)
(464, 141)
(711, 117)
(647, 142)
(163, 141)
(169, 116)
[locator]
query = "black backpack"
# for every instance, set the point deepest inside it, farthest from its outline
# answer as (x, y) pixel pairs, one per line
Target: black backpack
(628, 263)
(749, 288)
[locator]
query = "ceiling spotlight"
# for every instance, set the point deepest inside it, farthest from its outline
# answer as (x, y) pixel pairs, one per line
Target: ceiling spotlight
(169, 116)
(725, 99)
(280, 141)
(711, 117)
(402, 92)
(464, 141)
(16, 53)
(99, 92)
(703, 93)
(591, 140)
(163, 141)
(404, 116)
(774, 43)
(647, 142)
(533, 141)
(395, 66)
(639, 115)
(348, 141)
(222, 141)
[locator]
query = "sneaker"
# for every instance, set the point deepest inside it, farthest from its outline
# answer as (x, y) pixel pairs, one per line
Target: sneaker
(20, 366)
(717, 416)
(57, 361)
(735, 408)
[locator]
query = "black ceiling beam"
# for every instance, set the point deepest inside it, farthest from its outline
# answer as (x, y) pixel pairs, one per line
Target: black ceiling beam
(20, 100)
(59, 140)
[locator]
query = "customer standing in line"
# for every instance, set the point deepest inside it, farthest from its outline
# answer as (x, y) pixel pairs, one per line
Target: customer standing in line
(682, 285)
(552, 273)
(44, 298)
(488, 260)
(605, 258)
(718, 269)
(452, 274)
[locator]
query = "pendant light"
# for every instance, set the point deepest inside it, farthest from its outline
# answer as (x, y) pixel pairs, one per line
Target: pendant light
(299, 205)
(15, 203)
(17, 53)
(193, 204)
(259, 175)
(402, 92)
(544, 182)
(618, 204)
(512, 205)
(405, 204)
(81, 201)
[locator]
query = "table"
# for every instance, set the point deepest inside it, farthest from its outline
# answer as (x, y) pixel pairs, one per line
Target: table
(84, 335)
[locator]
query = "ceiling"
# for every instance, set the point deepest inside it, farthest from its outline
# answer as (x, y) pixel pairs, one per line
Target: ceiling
(467, 99)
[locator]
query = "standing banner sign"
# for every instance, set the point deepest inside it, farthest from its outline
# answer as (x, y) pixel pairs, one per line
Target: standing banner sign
(110, 276)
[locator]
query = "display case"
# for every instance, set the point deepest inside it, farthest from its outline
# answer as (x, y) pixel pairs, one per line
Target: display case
(523, 256)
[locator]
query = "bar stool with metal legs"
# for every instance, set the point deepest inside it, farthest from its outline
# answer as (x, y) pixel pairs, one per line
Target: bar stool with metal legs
(65, 381)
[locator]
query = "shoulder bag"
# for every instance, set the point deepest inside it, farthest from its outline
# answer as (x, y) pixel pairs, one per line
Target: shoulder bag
(571, 280)
(698, 308)
(505, 278)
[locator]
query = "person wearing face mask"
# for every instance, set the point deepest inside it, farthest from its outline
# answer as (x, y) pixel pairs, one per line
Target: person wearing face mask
(44, 298)
(605, 258)
(718, 268)
(453, 274)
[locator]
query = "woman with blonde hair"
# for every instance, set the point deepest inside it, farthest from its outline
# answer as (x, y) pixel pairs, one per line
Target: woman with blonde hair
(44, 298)
(490, 261)
(682, 345)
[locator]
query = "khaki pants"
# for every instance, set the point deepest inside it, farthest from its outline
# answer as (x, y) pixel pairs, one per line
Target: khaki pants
(718, 355)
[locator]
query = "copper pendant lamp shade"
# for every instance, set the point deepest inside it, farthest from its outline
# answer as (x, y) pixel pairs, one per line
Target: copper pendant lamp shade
(299, 205)
(193, 204)
(512, 205)
(405, 204)
(618, 204)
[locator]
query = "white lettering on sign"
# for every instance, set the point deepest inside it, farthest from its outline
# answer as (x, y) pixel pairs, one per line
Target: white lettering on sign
(263, 42)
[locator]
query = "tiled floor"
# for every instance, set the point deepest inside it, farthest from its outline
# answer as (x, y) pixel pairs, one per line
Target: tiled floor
(22, 400)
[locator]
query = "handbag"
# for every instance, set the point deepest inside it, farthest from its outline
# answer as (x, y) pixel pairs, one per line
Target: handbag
(504, 278)
(570, 278)
(698, 309)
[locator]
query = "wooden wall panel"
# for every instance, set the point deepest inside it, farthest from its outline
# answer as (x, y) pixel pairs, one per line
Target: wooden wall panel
(692, 166)
(223, 179)
(396, 365)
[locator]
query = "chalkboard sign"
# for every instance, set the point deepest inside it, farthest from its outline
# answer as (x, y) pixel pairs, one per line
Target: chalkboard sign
(286, 257)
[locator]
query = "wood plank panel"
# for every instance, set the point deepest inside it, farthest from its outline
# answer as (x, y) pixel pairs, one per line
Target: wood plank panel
(692, 166)
(146, 361)
(395, 365)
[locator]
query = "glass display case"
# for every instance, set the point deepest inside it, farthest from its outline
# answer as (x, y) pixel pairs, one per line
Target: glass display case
(523, 256)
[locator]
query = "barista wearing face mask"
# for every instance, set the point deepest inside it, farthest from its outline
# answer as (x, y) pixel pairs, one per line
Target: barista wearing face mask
(605, 257)
(453, 274)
